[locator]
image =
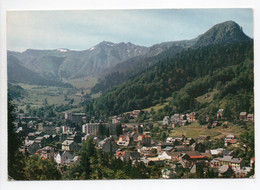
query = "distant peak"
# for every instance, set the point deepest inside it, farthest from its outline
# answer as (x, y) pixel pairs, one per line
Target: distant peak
(106, 43)
(229, 22)
(224, 32)
(63, 50)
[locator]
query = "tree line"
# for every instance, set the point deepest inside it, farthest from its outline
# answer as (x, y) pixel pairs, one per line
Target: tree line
(169, 76)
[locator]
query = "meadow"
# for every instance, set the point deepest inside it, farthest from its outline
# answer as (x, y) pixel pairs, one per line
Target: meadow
(195, 129)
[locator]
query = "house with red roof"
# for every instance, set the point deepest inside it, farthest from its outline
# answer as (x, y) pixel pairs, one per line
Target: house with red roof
(144, 140)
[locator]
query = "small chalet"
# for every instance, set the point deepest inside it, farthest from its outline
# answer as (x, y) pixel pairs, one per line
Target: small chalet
(136, 113)
(243, 116)
(76, 137)
(175, 118)
(116, 120)
(148, 151)
(188, 141)
(107, 145)
(193, 116)
(250, 117)
(46, 152)
(63, 157)
(166, 120)
(220, 114)
(133, 156)
(170, 140)
(144, 140)
(31, 146)
(230, 139)
(124, 140)
(40, 141)
(69, 145)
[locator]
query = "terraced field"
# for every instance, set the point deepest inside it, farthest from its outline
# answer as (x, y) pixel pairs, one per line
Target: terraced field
(195, 129)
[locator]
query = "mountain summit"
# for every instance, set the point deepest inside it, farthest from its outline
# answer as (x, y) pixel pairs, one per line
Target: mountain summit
(107, 57)
(222, 33)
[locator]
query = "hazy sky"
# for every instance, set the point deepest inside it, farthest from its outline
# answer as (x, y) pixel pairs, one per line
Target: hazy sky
(79, 30)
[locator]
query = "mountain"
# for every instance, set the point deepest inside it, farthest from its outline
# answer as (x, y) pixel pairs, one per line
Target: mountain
(114, 63)
(189, 74)
(17, 73)
(63, 63)
(223, 33)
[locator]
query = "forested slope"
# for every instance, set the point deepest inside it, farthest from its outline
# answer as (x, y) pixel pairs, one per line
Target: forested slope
(182, 77)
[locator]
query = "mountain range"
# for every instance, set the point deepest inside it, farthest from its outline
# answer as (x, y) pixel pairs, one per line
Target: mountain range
(107, 60)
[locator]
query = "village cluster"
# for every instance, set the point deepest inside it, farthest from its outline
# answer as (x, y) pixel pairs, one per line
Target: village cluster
(133, 143)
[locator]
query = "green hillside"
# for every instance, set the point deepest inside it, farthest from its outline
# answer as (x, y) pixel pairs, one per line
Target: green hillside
(187, 76)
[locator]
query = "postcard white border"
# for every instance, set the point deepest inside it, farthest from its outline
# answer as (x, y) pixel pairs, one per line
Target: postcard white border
(117, 4)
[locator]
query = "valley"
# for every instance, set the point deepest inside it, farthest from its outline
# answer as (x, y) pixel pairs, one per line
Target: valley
(120, 107)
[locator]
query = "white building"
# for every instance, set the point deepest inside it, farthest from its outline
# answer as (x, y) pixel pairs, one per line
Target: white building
(91, 128)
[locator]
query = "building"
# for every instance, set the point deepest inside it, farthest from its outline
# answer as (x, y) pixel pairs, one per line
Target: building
(91, 128)
(75, 117)
(47, 128)
(235, 163)
(63, 157)
(46, 152)
(175, 118)
(108, 146)
(66, 129)
(127, 155)
(69, 145)
(124, 140)
(31, 146)
(116, 120)
(144, 140)
(166, 120)
(250, 117)
(220, 114)
(229, 139)
(148, 151)
(193, 116)
(40, 141)
(136, 113)
(243, 116)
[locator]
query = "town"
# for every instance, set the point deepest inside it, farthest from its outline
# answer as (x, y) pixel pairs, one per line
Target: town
(145, 142)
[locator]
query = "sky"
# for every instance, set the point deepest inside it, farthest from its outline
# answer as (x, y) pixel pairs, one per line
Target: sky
(80, 30)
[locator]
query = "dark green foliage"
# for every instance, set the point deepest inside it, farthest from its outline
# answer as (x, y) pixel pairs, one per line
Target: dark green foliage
(15, 91)
(96, 164)
(41, 169)
(206, 67)
(21, 167)
(109, 81)
(248, 138)
(119, 130)
(14, 142)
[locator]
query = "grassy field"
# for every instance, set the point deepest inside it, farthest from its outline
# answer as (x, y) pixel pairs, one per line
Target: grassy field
(86, 83)
(159, 106)
(208, 97)
(54, 95)
(195, 129)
